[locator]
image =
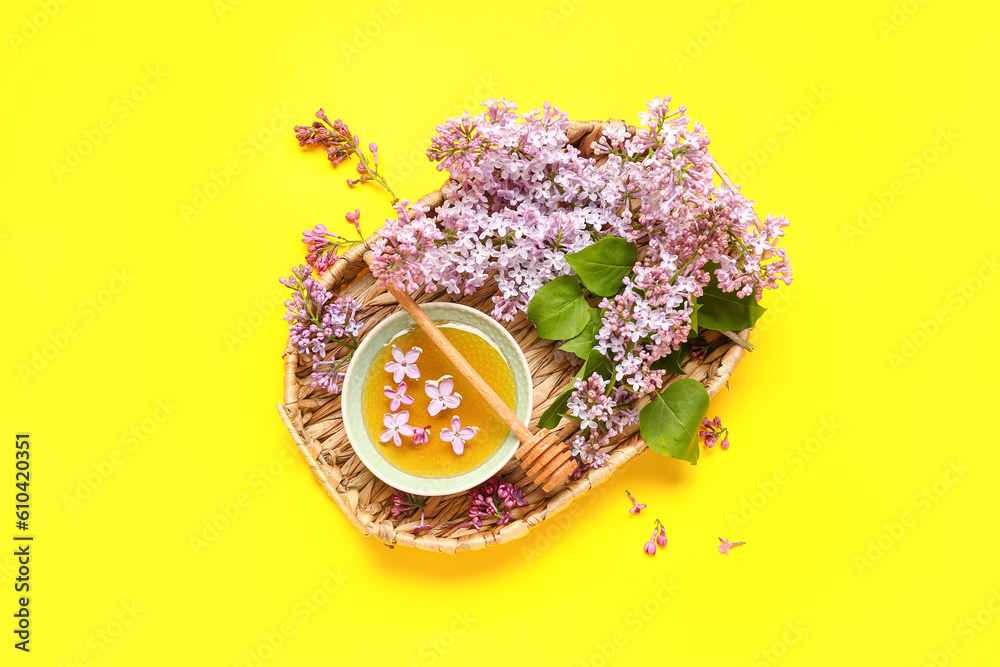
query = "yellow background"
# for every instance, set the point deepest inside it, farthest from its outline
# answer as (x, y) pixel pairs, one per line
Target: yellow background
(892, 111)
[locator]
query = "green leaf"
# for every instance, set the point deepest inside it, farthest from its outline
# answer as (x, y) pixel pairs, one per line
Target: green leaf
(602, 266)
(559, 309)
(553, 414)
(596, 363)
(724, 311)
(584, 342)
(695, 307)
(673, 362)
(669, 423)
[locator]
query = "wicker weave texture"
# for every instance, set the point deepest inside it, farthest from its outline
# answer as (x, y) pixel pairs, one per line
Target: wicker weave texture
(313, 417)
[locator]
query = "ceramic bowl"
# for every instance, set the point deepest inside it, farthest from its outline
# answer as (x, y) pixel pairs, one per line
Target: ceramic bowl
(369, 452)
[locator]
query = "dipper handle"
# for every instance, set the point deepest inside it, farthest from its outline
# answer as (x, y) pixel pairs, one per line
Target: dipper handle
(464, 367)
(546, 460)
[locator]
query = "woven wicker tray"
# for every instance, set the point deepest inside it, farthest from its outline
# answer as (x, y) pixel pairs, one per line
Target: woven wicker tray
(313, 417)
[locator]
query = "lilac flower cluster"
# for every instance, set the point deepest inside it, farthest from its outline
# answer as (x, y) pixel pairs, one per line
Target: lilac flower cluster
(521, 198)
(588, 402)
(340, 144)
(324, 246)
(335, 137)
(315, 319)
(650, 319)
(404, 503)
(596, 405)
(494, 499)
(698, 350)
(714, 430)
(659, 538)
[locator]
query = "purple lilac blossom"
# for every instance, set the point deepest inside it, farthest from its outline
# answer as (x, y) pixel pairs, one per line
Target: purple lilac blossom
(397, 396)
(520, 198)
(458, 436)
(395, 426)
(636, 506)
(726, 545)
(404, 365)
(442, 394)
(403, 503)
(324, 246)
(714, 431)
(494, 499)
(315, 319)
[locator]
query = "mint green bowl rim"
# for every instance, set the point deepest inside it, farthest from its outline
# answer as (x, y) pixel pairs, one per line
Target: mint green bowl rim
(353, 388)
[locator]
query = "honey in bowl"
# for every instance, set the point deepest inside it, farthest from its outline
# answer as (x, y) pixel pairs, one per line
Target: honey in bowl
(436, 458)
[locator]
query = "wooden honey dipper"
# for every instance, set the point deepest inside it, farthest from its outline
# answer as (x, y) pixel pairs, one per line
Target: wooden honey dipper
(547, 462)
